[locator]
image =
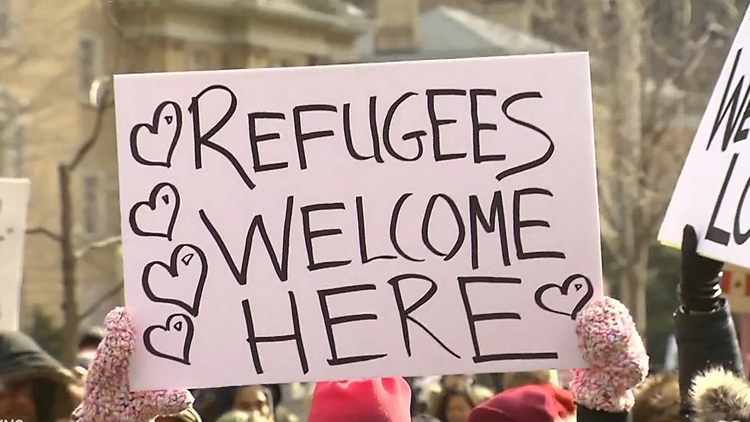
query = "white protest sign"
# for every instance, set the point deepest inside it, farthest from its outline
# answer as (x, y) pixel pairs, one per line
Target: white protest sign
(711, 193)
(14, 205)
(337, 222)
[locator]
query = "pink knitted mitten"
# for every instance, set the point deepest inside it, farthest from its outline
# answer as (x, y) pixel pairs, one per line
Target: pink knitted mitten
(614, 351)
(108, 397)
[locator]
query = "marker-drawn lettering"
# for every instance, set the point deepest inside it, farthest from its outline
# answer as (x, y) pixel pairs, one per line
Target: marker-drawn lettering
(404, 313)
(472, 319)
(330, 321)
(550, 148)
(203, 139)
(240, 273)
(728, 110)
(296, 336)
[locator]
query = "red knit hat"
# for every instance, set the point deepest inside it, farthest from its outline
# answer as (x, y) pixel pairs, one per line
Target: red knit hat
(529, 403)
(368, 400)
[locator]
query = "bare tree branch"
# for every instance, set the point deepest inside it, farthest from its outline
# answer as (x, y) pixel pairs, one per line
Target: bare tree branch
(114, 291)
(90, 141)
(114, 240)
(43, 231)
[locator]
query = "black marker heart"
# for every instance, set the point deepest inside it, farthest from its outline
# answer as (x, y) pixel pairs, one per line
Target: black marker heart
(172, 340)
(160, 211)
(575, 299)
(158, 137)
(179, 278)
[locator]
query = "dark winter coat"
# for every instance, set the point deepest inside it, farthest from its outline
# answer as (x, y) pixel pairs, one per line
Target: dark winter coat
(21, 359)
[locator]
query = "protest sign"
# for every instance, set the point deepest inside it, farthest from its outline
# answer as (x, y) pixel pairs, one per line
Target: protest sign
(335, 222)
(711, 192)
(14, 205)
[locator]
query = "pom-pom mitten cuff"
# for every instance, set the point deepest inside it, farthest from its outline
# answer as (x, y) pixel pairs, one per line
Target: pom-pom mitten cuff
(614, 351)
(108, 397)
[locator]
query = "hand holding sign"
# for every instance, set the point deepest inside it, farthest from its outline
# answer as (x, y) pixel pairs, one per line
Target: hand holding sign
(188, 267)
(159, 139)
(157, 216)
(108, 396)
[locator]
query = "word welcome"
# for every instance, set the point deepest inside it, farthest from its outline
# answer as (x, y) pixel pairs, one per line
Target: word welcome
(490, 221)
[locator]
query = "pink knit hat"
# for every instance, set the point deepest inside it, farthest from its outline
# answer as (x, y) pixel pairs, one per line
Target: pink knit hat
(528, 403)
(368, 400)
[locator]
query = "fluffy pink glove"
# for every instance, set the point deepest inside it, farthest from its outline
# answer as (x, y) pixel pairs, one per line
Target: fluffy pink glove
(614, 351)
(108, 397)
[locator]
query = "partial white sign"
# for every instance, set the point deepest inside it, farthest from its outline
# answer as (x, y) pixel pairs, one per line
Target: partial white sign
(14, 205)
(712, 191)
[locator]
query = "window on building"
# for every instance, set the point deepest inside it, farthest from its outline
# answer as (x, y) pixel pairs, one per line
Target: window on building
(4, 19)
(94, 194)
(89, 64)
(199, 60)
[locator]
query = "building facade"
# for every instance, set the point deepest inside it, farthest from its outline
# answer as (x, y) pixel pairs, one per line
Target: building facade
(52, 53)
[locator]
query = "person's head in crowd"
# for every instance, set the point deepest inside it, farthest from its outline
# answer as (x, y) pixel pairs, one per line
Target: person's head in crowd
(34, 387)
(364, 400)
(254, 399)
(456, 381)
(658, 399)
(240, 416)
(454, 405)
(423, 418)
(87, 345)
(529, 403)
(518, 379)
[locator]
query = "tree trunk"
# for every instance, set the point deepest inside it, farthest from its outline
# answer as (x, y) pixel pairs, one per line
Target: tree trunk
(633, 295)
(68, 260)
(628, 128)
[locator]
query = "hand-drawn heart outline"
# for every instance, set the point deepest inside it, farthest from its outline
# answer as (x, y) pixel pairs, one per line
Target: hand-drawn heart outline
(153, 128)
(189, 334)
(173, 269)
(564, 288)
(152, 205)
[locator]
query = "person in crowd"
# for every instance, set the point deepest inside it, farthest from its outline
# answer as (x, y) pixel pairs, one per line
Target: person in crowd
(34, 387)
(372, 400)
(454, 405)
(423, 418)
(431, 392)
(280, 412)
(517, 379)
(107, 393)
(528, 403)
(87, 346)
(658, 399)
(256, 399)
(710, 366)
